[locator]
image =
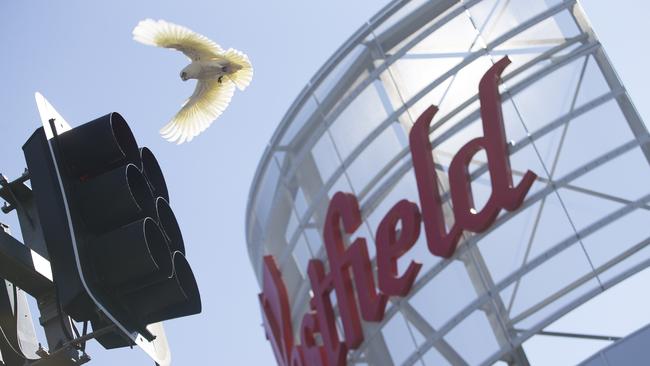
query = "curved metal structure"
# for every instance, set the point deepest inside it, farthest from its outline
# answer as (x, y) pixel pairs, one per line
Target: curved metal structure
(569, 120)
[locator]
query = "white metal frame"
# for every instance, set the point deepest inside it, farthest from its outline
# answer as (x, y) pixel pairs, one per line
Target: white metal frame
(370, 56)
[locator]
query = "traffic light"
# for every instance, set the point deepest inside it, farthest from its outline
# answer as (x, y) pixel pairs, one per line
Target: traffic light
(115, 246)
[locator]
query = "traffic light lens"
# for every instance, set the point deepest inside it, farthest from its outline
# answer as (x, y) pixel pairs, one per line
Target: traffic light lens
(98, 146)
(124, 138)
(169, 225)
(137, 253)
(180, 293)
(123, 196)
(153, 173)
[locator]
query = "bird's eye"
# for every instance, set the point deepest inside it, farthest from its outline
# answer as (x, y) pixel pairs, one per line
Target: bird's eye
(224, 69)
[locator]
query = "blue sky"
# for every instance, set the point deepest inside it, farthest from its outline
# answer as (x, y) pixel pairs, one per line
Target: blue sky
(80, 55)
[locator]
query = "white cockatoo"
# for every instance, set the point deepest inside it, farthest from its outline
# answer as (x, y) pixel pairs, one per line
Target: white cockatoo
(217, 72)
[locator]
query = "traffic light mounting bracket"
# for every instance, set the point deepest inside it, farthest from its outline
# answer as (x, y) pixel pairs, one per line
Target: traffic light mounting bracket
(20, 265)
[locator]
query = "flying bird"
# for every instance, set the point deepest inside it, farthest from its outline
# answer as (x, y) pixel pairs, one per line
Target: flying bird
(217, 71)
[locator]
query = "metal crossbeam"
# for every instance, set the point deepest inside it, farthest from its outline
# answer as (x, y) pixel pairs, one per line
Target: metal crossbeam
(575, 335)
(400, 171)
(17, 266)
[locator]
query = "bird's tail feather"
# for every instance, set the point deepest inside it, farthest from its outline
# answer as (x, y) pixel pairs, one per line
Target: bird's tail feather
(242, 78)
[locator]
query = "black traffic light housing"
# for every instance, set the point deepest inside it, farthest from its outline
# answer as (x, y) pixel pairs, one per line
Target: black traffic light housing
(116, 250)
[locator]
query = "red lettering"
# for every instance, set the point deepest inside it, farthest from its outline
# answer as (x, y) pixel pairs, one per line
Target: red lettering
(440, 242)
(503, 195)
(321, 285)
(344, 209)
(297, 357)
(275, 311)
(312, 354)
(351, 277)
(390, 248)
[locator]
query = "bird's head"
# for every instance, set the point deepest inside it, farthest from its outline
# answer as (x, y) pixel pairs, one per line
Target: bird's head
(190, 71)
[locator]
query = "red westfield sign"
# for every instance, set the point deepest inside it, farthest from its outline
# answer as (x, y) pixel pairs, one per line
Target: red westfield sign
(350, 274)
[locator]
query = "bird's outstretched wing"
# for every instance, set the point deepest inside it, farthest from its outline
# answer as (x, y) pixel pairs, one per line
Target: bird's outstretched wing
(169, 35)
(242, 78)
(209, 100)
